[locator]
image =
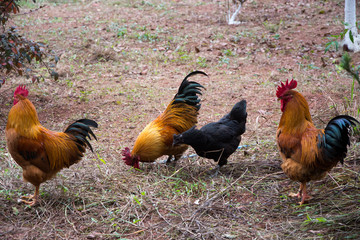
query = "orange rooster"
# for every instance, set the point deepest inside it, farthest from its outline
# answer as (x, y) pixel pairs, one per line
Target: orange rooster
(308, 153)
(40, 152)
(157, 137)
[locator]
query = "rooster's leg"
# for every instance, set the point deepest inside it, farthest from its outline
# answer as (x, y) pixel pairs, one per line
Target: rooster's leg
(299, 193)
(33, 198)
(304, 195)
(169, 159)
(171, 163)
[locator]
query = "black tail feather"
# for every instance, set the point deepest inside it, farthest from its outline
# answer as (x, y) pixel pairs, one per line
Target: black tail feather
(84, 124)
(80, 130)
(194, 73)
(189, 90)
(337, 137)
(88, 122)
(83, 140)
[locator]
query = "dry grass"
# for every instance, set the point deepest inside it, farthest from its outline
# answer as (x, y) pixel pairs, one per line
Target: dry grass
(121, 63)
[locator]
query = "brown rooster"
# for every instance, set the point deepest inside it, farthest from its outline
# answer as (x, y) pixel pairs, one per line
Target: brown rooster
(157, 137)
(42, 153)
(308, 153)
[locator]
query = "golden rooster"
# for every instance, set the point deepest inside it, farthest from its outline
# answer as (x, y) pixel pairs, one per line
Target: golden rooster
(308, 153)
(42, 153)
(157, 137)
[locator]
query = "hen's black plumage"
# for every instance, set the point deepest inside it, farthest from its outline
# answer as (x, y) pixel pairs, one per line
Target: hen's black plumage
(217, 140)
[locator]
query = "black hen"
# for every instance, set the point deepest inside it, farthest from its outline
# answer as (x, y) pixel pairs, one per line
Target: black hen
(217, 140)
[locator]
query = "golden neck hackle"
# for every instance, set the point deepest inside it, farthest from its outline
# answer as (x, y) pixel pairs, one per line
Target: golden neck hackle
(296, 115)
(23, 118)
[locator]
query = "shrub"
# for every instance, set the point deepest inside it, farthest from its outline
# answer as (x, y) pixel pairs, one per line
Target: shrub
(17, 53)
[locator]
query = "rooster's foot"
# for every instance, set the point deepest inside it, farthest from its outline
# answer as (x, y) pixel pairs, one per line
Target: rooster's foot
(32, 200)
(305, 198)
(30, 203)
(28, 196)
(297, 195)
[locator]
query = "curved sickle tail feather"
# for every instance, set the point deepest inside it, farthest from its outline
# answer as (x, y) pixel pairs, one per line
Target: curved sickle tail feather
(188, 91)
(80, 130)
(337, 137)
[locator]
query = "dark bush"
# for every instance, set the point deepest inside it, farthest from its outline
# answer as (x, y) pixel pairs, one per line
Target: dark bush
(18, 54)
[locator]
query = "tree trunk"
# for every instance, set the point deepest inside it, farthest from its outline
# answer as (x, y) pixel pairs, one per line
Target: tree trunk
(350, 21)
(230, 18)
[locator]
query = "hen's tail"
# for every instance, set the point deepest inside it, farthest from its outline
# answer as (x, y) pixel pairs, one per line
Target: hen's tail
(80, 130)
(188, 91)
(337, 137)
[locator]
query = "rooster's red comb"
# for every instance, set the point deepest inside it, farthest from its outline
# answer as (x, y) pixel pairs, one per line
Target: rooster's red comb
(21, 90)
(285, 87)
(130, 160)
(126, 156)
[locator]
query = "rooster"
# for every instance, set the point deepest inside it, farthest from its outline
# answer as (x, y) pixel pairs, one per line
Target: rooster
(157, 137)
(308, 153)
(42, 153)
(217, 140)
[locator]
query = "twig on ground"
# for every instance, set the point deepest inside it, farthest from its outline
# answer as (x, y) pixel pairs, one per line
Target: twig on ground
(334, 180)
(172, 225)
(166, 178)
(252, 186)
(214, 197)
(67, 219)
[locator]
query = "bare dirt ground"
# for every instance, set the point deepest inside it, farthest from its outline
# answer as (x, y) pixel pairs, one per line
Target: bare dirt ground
(121, 64)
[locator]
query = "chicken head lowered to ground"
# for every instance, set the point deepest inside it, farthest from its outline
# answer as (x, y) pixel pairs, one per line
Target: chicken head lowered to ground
(157, 137)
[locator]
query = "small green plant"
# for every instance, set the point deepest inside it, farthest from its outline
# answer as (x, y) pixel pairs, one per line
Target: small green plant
(84, 95)
(121, 32)
(315, 220)
(183, 55)
(201, 61)
(229, 53)
(272, 27)
(137, 200)
(217, 36)
(148, 37)
(223, 60)
(69, 83)
(345, 64)
(244, 34)
(283, 70)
